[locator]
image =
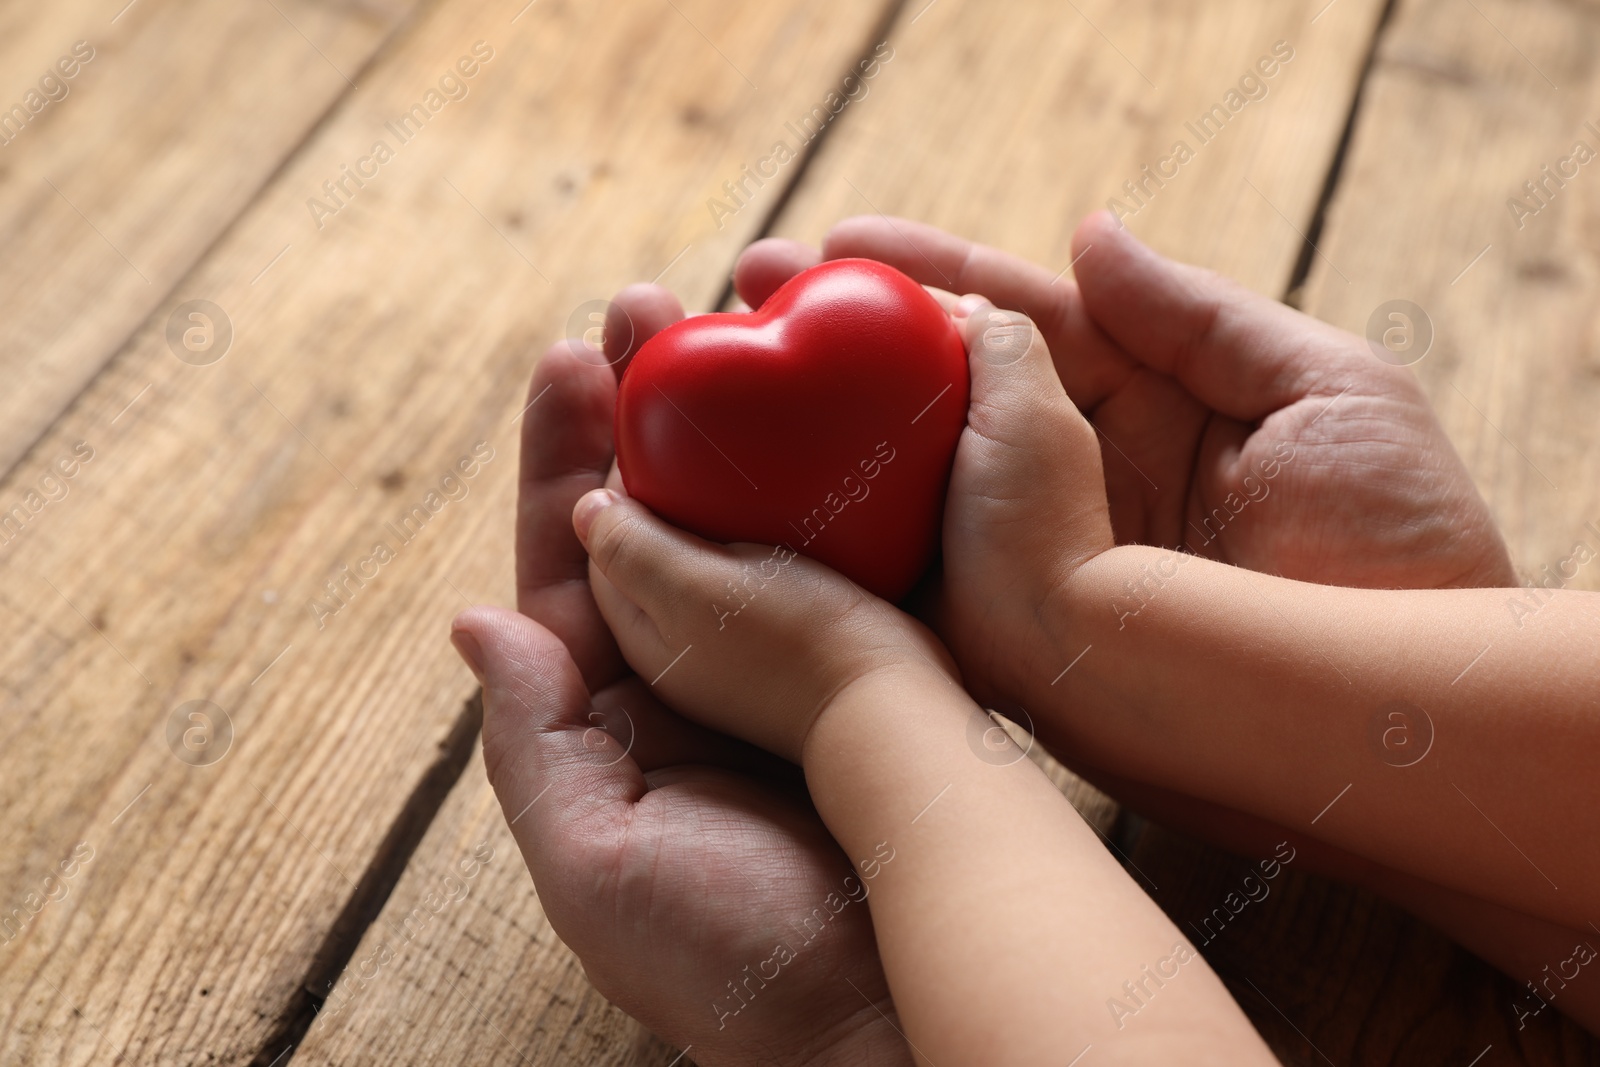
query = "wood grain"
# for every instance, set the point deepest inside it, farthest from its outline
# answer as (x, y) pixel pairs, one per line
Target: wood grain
(109, 195)
(181, 559)
(1332, 975)
(385, 348)
(1009, 123)
(1360, 978)
(484, 980)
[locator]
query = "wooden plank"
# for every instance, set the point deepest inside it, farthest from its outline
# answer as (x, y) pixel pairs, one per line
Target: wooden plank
(1063, 104)
(1330, 974)
(183, 562)
(907, 127)
(1456, 115)
(109, 194)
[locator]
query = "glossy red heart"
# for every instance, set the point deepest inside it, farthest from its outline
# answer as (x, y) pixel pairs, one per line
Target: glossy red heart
(825, 421)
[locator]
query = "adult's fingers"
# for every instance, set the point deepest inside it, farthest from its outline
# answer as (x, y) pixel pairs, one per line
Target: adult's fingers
(635, 315)
(566, 451)
(767, 264)
(1089, 365)
(564, 782)
(1237, 351)
(530, 702)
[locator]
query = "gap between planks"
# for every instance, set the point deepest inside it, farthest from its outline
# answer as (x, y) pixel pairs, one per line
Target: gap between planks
(371, 893)
(389, 863)
(880, 32)
(1330, 182)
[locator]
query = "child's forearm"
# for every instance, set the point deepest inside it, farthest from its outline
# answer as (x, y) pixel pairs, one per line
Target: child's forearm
(1008, 933)
(1454, 734)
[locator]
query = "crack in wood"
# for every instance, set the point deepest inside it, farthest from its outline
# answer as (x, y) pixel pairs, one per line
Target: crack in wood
(1330, 184)
(366, 902)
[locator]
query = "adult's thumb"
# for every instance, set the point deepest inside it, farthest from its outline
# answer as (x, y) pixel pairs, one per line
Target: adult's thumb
(552, 768)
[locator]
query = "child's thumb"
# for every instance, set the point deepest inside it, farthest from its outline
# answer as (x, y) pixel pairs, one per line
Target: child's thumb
(1017, 398)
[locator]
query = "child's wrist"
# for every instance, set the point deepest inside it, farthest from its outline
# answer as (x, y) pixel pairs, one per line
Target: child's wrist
(1063, 623)
(878, 745)
(1092, 603)
(876, 708)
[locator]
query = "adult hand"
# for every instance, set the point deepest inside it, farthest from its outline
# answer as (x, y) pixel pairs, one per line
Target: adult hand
(687, 871)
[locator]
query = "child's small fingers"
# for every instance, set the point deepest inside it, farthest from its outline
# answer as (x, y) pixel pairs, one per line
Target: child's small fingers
(654, 565)
(634, 631)
(1000, 338)
(1018, 403)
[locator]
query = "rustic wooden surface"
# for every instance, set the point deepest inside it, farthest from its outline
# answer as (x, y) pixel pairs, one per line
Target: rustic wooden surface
(225, 903)
(112, 193)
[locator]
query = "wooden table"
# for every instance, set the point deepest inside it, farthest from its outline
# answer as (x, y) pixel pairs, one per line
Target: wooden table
(233, 872)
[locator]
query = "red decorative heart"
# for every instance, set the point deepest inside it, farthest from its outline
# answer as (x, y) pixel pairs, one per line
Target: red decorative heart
(825, 421)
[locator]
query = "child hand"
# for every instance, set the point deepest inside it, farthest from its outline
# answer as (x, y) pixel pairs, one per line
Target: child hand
(753, 641)
(1026, 504)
